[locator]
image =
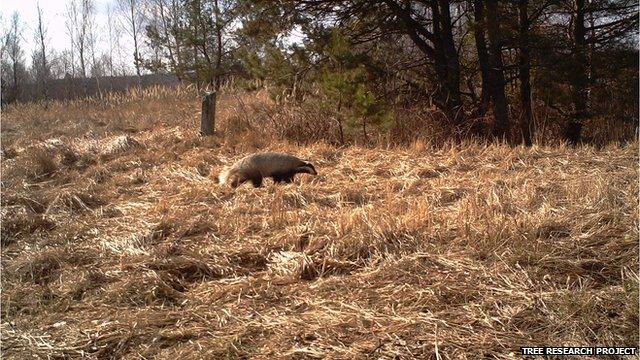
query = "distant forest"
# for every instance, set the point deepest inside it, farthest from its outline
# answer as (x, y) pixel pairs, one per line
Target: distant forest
(495, 69)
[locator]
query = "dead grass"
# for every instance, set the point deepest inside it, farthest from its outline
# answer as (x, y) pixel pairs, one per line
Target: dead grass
(118, 242)
(15, 226)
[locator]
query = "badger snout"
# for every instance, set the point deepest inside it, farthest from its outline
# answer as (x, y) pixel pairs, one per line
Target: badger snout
(308, 168)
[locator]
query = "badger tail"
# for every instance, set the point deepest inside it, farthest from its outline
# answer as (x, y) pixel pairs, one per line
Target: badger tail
(224, 175)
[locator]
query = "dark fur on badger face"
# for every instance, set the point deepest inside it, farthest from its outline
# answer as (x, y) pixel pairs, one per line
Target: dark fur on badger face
(255, 167)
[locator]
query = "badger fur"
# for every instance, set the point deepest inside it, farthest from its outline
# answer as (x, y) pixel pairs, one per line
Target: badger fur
(255, 167)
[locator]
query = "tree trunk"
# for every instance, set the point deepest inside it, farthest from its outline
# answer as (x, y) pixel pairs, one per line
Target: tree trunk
(218, 26)
(442, 51)
(208, 118)
(483, 56)
(497, 84)
(85, 84)
(136, 53)
(163, 18)
(73, 59)
(447, 65)
(525, 72)
(45, 67)
(579, 80)
(438, 58)
(14, 70)
(82, 64)
(338, 118)
(451, 58)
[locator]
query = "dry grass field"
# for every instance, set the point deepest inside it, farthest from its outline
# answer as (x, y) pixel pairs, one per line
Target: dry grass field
(118, 242)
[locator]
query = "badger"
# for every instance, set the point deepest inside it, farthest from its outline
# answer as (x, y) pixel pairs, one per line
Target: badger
(281, 167)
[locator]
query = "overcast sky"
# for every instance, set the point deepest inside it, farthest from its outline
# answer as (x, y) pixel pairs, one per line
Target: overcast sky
(53, 12)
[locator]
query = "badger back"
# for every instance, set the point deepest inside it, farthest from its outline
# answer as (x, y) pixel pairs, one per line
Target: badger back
(271, 163)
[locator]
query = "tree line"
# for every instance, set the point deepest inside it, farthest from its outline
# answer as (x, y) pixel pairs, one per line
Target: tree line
(495, 68)
(94, 51)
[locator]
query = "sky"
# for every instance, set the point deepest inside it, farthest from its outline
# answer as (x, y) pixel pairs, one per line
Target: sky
(53, 12)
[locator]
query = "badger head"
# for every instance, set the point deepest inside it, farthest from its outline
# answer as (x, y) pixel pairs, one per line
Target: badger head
(307, 168)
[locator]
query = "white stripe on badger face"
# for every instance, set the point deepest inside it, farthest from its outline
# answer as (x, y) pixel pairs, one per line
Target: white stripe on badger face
(307, 169)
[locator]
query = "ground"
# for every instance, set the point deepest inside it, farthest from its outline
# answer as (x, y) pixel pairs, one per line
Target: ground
(118, 242)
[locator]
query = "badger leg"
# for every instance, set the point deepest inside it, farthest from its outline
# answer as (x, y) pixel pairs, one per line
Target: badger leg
(284, 177)
(277, 178)
(238, 180)
(235, 182)
(256, 181)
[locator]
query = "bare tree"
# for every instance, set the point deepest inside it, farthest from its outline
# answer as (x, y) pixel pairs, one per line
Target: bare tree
(41, 34)
(115, 56)
(70, 26)
(133, 22)
(65, 63)
(58, 65)
(497, 80)
(483, 55)
(524, 73)
(13, 59)
(92, 39)
(111, 33)
(79, 20)
(86, 18)
(97, 66)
